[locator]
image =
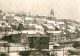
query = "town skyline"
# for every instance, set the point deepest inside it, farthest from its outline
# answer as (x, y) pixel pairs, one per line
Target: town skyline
(63, 9)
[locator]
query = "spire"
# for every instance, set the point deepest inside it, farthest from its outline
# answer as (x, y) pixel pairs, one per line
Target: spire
(52, 12)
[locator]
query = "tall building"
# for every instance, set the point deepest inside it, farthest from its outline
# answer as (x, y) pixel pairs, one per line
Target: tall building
(39, 42)
(51, 17)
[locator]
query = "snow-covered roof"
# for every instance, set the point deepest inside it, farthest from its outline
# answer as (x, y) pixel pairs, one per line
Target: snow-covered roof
(28, 18)
(59, 27)
(38, 26)
(55, 32)
(32, 32)
(50, 21)
(60, 23)
(28, 32)
(9, 14)
(18, 18)
(35, 25)
(49, 26)
(71, 27)
(71, 30)
(30, 24)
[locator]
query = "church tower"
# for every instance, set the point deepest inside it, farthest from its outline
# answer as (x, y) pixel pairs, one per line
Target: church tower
(52, 12)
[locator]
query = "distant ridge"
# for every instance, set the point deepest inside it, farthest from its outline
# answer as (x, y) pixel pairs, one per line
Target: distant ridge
(69, 20)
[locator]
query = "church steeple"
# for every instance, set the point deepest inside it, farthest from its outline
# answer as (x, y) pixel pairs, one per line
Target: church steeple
(52, 12)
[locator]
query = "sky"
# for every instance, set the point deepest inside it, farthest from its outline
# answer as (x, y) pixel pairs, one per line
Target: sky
(63, 9)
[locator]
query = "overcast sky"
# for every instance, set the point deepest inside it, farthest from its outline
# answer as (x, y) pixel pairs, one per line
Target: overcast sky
(62, 8)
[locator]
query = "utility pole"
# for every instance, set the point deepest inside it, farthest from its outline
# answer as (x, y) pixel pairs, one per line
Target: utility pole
(8, 48)
(63, 48)
(63, 41)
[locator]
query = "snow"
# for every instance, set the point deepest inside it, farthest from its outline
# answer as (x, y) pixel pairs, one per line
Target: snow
(28, 18)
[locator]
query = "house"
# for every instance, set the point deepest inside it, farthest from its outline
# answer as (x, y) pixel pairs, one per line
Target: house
(35, 27)
(1, 16)
(40, 21)
(10, 17)
(30, 26)
(38, 28)
(61, 25)
(50, 22)
(28, 20)
(22, 36)
(4, 26)
(39, 42)
(51, 17)
(78, 32)
(18, 19)
(71, 27)
(71, 34)
(48, 27)
(56, 36)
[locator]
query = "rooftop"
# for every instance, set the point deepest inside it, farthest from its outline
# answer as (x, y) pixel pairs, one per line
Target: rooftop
(28, 32)
(55, 32)
(60, 23)
(50, 21)
(71, 30)
(38, 26)
(28, 18)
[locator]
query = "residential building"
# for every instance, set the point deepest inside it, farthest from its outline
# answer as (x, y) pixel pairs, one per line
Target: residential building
(56, 36)
(78, 33)
(61, 25)
(4, 26)
(48, 27)
(51, 17)
(18, 20)
(28, 20)
(71, 34)
(39, 42)
(1, 16)
(35, 27)
(40, 21)
(50, 22)
(10, 17)
(38, 28)
(22, 36)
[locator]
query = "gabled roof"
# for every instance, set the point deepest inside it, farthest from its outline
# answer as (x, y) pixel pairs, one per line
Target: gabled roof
(71, 30)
